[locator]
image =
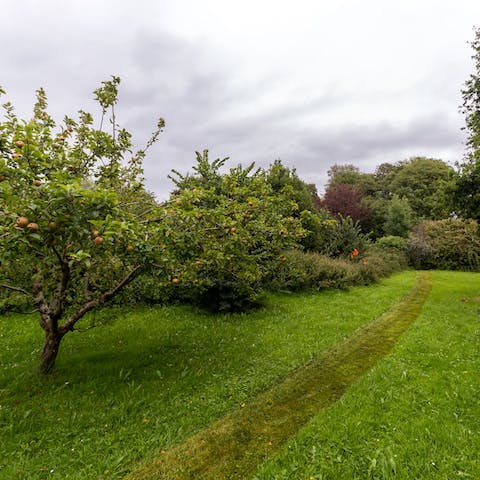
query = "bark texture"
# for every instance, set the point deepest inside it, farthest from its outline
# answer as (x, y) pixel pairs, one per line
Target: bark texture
(49, 352)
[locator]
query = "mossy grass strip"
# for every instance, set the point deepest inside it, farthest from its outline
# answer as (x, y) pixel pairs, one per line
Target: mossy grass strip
(234, 446)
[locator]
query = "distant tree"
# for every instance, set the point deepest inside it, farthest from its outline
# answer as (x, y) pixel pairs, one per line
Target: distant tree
(346, 173)
(344, 200)
(467, 192)
(399, 217)
(424, 182)
(384, 174)
(378, 206)
(351, 175)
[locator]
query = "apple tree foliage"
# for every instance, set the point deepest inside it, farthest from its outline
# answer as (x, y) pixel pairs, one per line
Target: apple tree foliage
(74, 226)
(230, 230)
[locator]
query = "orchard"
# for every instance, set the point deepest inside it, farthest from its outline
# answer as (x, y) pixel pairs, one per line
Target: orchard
(77, 225)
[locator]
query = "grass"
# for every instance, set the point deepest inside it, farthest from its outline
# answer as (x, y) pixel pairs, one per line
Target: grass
(415, 415)
(122, 393)
(234, 446)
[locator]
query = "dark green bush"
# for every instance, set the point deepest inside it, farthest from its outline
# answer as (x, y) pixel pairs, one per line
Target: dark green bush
(392, 242)
(309, 271)
(450, 244)
(381, 260)
(312, 271)
(224, 295)
(338, 238)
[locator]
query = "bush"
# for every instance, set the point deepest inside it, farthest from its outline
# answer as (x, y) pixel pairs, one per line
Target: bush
(381, 260)
(337, 238)
(310, 271)
(450, 244)
(392, 242)
(313, 271)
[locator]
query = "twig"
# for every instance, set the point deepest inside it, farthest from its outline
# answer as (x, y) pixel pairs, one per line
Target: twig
(81, 330)
(15, 289)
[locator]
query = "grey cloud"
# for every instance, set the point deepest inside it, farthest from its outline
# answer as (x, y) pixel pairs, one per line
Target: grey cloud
(209, 102)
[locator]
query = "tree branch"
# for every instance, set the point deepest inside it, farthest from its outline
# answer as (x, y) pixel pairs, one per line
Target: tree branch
(15, 289)
(69, 324)
(24, 313)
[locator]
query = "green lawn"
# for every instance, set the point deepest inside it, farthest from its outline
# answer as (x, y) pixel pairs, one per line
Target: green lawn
(121, 393)
(416, 415)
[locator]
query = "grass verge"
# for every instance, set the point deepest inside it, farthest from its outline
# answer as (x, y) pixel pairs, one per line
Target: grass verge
(122, 393)
(235, 445)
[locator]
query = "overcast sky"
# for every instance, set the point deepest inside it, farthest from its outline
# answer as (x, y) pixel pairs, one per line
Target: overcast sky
(310, 82)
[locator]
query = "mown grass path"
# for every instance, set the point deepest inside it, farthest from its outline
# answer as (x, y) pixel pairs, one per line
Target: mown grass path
(234, 446)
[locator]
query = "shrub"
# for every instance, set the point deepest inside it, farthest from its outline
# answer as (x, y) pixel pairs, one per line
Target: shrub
(150, 288)
(309, 271)
(392, 242)
(381, 260)
(337, 238)
(450, 244)
(313, 271)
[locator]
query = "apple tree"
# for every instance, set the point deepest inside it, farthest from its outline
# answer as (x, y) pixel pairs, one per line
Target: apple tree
(230, 231)
(74, 227)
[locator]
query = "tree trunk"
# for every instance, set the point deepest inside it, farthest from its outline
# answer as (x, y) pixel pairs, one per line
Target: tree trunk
(50, 351)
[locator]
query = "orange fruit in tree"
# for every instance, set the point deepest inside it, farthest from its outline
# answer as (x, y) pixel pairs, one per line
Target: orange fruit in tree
(37, 182)
(130, 248)
(22, 222)
(96, 233)
(17, 155)
(233, 230)
(200, 215)
(52, 225)
(175, 280)
(33, 226)
(19, 143)
(98, 240)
